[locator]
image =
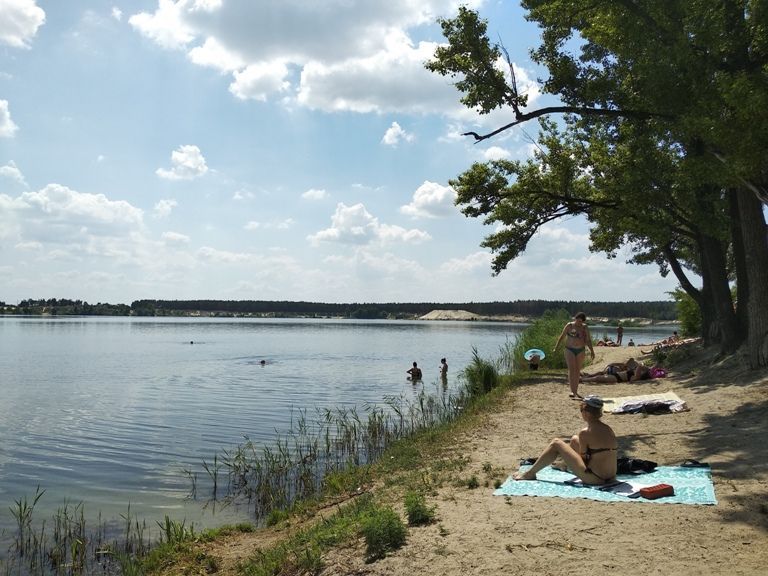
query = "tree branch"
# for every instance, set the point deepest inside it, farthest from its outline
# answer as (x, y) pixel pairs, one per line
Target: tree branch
(520, 118)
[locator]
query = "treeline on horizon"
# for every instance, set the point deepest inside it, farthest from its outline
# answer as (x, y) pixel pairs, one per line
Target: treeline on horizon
(653, 310)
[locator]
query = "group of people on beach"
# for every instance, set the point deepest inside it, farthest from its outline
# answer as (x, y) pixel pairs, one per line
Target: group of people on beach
(591, 453)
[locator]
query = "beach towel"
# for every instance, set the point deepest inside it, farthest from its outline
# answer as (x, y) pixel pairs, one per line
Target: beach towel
(613, 404)
(692, 486)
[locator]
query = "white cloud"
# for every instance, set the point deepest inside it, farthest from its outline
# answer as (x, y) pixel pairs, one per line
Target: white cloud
(206, 5)
(12, 172)
(496, 153)
(208, 254)
(391, 80)
(175, 238)
(315, 194)
(7, 127)
(187, 162)
(431, 200)
(19, 21)
(260, 80)
(470, 263)
(214, 55)
(243, 195)
(166, 26)
(355, 225)
(117, 14)
(336, 55)
(72, 221)
(276, 225)
(395, 134)
(164, 207)
(29, 246)
(56, 204)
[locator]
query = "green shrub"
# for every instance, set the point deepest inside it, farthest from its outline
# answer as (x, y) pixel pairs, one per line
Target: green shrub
(542, 334)
(688, 313)
(481, 375)
(419, 514)
(383, 532)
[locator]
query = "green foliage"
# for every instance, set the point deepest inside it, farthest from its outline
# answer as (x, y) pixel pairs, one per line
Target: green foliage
(665, 108)
(688, 313)
(481, 375)
(174, 532)
(473, 483)
(542, 334)
(417, 511)
(471, 57)
(276, 516)
(383, 531)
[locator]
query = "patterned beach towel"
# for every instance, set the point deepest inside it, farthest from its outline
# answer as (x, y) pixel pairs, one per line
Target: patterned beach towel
(692, 486)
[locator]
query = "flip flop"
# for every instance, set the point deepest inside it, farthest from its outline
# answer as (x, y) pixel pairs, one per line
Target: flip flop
(694, 464)
(575, 397)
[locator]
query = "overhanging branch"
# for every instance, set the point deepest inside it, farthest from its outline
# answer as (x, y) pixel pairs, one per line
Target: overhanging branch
(521, 118)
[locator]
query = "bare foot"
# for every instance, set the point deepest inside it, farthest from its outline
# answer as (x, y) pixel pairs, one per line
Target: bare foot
(524, 476)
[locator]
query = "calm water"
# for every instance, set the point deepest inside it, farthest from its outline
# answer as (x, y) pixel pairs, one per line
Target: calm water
(108, 411)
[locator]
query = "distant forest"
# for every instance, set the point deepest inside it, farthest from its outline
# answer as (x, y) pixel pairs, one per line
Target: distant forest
(657, 310)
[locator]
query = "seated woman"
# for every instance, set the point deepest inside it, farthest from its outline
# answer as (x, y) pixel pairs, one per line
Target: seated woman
(591, 454)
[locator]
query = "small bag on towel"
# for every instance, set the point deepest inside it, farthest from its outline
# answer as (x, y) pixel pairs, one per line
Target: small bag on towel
(658, 491)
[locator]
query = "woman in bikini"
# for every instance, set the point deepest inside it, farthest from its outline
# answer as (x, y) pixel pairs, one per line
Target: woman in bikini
(590, 455)
(577, 340)
(632, 371)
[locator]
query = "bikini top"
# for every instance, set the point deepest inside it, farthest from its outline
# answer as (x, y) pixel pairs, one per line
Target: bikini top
(574, 332)
(590, 451)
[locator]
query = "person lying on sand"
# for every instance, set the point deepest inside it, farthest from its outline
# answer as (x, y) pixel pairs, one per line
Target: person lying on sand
(591, 454)
(632, 371)
(611, 368)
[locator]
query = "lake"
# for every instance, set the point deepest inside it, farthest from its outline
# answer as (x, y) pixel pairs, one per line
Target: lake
(110, 411)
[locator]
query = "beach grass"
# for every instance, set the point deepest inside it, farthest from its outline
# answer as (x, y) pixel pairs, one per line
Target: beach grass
(335, 456)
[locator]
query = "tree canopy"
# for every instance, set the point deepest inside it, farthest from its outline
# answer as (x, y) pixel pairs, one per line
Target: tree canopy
(661, 142)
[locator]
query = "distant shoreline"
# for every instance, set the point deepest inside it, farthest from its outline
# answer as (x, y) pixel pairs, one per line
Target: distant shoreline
(522, 311)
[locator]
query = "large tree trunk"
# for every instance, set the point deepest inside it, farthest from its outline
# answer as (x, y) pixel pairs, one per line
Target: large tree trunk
(702, 297)
(754, 234)
(714, 273)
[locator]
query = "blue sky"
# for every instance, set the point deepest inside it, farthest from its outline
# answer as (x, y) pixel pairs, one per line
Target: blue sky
(268, 150)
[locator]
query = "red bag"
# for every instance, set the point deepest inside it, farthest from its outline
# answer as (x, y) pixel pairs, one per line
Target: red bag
(658, 491)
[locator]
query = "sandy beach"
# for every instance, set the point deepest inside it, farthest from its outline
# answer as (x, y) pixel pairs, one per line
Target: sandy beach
(480, 534)
(477, 533)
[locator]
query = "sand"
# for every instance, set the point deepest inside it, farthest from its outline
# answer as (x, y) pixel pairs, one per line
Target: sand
(481, 534)
(477, 533)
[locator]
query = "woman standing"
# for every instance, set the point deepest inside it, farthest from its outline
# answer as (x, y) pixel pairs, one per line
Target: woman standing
(577, 340)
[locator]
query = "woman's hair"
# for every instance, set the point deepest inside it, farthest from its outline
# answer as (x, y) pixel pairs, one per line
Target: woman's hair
(593, 404)
(596, 412)
(581, 316)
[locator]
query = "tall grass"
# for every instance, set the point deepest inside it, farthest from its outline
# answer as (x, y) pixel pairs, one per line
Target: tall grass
(542, 334)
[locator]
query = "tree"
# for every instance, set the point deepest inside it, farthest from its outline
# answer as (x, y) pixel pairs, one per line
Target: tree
(679, 71)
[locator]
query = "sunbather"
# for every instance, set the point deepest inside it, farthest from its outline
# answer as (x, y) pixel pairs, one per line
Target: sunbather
(590, 455)
(632, 371)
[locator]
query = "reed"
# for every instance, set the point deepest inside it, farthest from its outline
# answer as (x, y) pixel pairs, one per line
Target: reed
(327, 453)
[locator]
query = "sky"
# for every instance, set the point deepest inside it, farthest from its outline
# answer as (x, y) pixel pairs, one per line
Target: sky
(262, 150)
